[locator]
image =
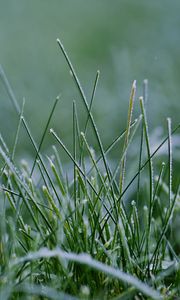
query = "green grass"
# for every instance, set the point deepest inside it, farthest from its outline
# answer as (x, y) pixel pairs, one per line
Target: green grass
(89, 232)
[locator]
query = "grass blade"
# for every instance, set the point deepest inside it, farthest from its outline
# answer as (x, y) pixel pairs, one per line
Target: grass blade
(85, 259)
(44, 134)
(123, 162)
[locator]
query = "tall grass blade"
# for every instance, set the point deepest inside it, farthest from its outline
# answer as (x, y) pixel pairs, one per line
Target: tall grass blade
(44, 134)
(145, 97)
(129, 119)
(151, 180)
(18, 130)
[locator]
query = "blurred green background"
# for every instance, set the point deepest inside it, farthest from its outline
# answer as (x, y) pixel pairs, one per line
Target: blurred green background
(124, 39)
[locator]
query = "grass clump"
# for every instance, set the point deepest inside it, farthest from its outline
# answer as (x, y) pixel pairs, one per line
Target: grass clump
(89, 234)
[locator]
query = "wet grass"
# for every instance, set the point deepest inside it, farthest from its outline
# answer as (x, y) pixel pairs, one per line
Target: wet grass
(88, 232)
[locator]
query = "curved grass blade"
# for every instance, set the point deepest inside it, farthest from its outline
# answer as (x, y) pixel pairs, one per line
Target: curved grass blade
(87, 260)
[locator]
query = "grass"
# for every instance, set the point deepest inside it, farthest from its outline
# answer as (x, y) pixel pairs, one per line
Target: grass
(89, 233)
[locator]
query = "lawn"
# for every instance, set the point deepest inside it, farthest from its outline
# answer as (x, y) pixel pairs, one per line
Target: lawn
(89, 150)
(88, 232)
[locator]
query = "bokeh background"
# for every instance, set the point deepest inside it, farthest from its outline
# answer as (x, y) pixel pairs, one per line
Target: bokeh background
(124, 39)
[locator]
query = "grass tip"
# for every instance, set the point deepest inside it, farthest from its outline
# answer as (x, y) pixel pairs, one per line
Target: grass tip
(59, 43)
(145, 207)
(51, 130)
(134, 84)
(51, 163)
(44, 188)
(133, 203)
(58, 97)
(145, 81)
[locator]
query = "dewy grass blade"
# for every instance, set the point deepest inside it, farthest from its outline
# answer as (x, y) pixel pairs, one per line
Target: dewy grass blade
(166, 223)
(57, 177)
(127, 133)
(114, 142)
(172, 200)
(58, 163)
(44, 133)
(77, 126)
(86, 259)
(9, 197)
(93, 160)
(51, 202)
(74, 154)
(10, 192)
(9, 90)
(124, 152)
(151, 179)
(124, 244)
(170, 159)
(145, 97)
(5, 147)
(158, 184)
(90, 107)
(40, 158)
(149, 153)
(92, 99)
(18, 130)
